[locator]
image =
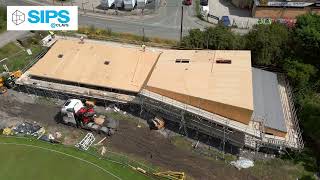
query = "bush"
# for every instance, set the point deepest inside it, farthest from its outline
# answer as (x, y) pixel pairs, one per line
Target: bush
(3, 19)
(220, 38)
(268, 43)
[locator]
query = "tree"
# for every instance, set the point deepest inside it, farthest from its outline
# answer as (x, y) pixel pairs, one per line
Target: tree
(310, 115)
(212, 38)
(307, 38)
(268, 43)
(195, 39)
(299, 73)
(222, 38)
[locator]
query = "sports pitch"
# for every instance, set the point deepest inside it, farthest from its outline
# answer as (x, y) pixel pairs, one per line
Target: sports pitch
(32, 160)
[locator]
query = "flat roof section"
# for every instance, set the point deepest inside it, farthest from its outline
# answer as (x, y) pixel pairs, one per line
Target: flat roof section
(267, 101)
(90, 63)
(220, 76)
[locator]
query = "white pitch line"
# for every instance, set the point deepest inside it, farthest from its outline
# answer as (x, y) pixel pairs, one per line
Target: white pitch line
(101, 168)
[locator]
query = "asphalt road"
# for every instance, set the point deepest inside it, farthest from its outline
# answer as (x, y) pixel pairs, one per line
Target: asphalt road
(164, 24)
(9, 36)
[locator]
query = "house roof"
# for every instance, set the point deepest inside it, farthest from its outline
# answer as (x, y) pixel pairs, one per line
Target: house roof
(267, 101)
(198, 74)
(97, 64)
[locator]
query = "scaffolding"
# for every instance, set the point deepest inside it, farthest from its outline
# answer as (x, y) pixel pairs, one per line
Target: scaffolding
(252, 136)
(294, 135)
(71, 90)
(188, 118)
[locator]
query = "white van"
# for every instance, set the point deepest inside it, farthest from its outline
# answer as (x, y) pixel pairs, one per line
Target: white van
(204, 11)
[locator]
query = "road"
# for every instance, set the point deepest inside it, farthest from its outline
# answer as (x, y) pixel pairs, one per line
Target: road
(9, 36)
(165, 24)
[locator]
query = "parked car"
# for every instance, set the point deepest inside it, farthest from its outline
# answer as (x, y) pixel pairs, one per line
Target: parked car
(225, 21)
(187, 2)
(204, 11)
(203, 2)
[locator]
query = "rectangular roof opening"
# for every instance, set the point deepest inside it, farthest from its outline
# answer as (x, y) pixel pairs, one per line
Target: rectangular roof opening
(223, 61)
(182, 61)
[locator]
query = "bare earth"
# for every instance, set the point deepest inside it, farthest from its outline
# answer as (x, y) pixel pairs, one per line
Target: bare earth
(142, 143)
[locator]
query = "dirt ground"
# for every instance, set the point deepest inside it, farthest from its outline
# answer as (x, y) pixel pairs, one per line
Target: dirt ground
(141, 143)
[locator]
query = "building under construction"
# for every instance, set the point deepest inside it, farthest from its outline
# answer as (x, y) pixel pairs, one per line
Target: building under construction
(217, 93)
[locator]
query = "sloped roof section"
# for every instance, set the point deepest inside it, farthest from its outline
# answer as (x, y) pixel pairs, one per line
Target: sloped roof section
(266, 98)
(220, 76)
(97, 64)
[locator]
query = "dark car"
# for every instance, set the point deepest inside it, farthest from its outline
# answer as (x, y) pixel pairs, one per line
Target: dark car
(187, 2)
(204, 2)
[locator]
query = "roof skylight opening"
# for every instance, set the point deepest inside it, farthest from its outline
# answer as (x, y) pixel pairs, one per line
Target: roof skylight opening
(224, 61)
(182, 61)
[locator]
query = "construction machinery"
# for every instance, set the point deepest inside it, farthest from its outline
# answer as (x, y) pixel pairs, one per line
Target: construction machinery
(7, 80)
(81, 114)
(156, 123)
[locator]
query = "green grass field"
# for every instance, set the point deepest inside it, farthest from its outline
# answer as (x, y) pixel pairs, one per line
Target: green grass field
(17, 58)
(32, 159)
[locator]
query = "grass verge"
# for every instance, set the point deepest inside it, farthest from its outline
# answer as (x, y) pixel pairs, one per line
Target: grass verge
(279, 169)
(212, 153)
(109, 35)
(263, 169)
(17, 57)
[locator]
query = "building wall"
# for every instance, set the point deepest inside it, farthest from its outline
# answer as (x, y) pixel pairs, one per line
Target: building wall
(274, 12)
(236, 113)
(275, 132)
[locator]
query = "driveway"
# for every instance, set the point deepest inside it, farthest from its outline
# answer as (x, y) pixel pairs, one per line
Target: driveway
(241, 17)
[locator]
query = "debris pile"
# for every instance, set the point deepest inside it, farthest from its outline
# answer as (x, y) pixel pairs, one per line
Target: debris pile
(32, 129)
(52, 138)
(27, 128)
(242, 163)
(7, 131)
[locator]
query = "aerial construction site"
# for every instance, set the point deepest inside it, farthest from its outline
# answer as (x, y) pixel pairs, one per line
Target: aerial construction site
(212, 92)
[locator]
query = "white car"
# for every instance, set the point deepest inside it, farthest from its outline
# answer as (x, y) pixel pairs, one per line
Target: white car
(204, 10)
